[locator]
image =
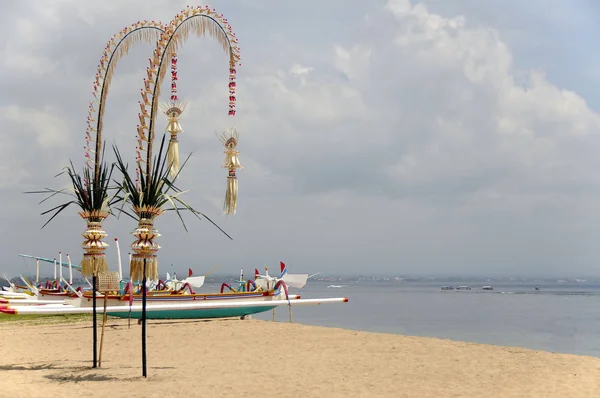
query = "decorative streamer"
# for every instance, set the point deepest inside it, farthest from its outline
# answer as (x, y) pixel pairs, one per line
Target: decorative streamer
(232, 86)
(174, 78)
(230, 139)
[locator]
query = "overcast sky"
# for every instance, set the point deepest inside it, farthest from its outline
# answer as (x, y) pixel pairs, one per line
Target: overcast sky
(418, 138)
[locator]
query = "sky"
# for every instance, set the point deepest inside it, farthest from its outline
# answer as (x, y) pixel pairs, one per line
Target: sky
(403, 137)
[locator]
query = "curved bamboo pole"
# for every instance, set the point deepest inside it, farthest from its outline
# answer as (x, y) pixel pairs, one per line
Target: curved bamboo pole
(117, 47)
(200, 19)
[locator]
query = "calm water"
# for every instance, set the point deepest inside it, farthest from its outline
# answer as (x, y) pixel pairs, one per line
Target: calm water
(559, 317)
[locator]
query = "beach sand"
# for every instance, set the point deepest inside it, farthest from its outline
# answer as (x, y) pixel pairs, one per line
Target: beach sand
(232, 357)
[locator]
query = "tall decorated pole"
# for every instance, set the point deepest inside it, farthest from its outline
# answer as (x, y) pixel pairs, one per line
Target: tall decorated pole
(147, 191)
(150, 191)
(90, 189)
(201, 20)
(94, 260)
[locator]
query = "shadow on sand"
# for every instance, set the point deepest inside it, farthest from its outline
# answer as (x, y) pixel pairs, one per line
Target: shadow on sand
(72, 374)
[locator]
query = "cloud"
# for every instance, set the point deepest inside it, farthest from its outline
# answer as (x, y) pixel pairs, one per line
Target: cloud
(50, 129)
(413, 144)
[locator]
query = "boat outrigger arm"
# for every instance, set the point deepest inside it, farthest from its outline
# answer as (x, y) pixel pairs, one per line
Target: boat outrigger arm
(55, 261)
(47, 260)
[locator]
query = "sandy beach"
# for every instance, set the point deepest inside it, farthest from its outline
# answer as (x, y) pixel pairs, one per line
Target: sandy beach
(231, 357)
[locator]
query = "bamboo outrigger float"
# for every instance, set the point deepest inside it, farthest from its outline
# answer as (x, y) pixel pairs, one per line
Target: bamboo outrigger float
(193, 310)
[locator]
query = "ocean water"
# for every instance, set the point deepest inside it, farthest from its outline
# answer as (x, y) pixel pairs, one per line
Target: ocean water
(560, 317)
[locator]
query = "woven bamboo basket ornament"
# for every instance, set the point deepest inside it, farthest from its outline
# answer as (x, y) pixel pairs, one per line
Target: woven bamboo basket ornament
(94, 258)
(145, 246)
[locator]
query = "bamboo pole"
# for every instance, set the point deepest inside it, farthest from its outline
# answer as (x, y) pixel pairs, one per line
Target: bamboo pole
(94, 320)
(102, 333)
(144, 371)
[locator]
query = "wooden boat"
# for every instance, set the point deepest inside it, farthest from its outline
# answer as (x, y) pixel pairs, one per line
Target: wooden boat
(127, 299)
(166, 297)
(264, 289)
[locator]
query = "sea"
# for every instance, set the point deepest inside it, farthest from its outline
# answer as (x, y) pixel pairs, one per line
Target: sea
(559, 317)
(562, 317)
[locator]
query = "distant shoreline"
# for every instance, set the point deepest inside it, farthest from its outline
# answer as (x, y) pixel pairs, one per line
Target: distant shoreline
(391, 279)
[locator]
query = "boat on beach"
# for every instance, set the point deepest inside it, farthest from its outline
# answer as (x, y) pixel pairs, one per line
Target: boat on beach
(163, 306)
(194, 310)
(253, 296)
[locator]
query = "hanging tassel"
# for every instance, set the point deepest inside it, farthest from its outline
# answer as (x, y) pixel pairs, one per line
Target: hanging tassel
(230, 205)
(93, 265)
(230, 138)
(173, 128)
(173, 157)
(136, 268)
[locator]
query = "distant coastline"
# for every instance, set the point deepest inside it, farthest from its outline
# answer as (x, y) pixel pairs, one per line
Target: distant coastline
(349, 279)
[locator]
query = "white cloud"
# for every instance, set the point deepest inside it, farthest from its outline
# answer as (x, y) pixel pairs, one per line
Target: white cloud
(354, 63)
(51, 130)
(301, 72)
(415, 133)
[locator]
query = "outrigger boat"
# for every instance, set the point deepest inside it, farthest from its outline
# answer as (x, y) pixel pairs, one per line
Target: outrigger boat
(165, 306)
(60, 289)
(264, 289)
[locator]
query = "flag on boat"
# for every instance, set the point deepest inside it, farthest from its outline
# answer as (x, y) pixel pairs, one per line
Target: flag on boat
(283, 269)
(130, 288)
(190, 273)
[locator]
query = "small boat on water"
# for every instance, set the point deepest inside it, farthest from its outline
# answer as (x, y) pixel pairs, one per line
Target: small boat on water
(447, 287)
(487, 287)
(463, 288)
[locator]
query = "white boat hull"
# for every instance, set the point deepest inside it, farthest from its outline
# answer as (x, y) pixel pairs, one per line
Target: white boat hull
(196, 310)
